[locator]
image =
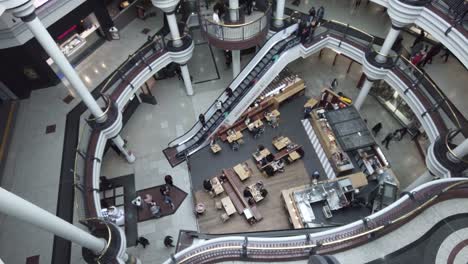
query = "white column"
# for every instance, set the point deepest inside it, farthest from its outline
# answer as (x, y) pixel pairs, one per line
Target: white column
(460, 151)
(49, 45)
(187, 79)
(387, 45)
(279, 13)
(120, 143)
(235, 63)
(172, 21)
(234, 10)
(15, 206)
(363, 94)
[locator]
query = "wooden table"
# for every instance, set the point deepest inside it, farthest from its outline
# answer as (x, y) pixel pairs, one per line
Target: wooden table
(258, 156)
(255, 124)
(242, 171)
(281, 142)
(293, 156)
(217, 186)
(310, 103)
(234, 137)
(228, 205)
(215, 148)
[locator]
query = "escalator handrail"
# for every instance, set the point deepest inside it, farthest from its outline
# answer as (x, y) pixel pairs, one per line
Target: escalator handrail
(254, 62)
(265, 48)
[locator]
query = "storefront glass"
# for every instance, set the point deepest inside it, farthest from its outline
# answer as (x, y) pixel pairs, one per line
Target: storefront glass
(394, 103)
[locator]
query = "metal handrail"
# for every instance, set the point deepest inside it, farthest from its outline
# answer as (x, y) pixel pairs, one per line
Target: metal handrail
(338, 241)
(434, 86)
(451, 150)
(108, 102)
(240, 25)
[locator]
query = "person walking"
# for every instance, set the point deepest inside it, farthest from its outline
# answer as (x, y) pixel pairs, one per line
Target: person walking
(143, 241)
(334, 84)
(320, 14)
(387, 139)
(311, 14)
(431, 53)
(202, 120)
(419, 38)
(249, 6)
(168, 241)
(417, 59)
(165, 192)
(296, 2)
(376, 129)
(168, 180)
(446, 54)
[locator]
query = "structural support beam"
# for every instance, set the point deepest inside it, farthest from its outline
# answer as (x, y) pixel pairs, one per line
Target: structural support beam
(15, 206)
(187, 79)
(172, 21)
(49, 45)
(279, 14)
(120, 143)
(363, 93)
(234, 10)
(388, 44)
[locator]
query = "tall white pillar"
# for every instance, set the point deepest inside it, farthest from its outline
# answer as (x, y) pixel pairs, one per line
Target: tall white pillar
(172, 21)
(388, 43)
(187, 79)
(460, 151)
(235, 63)
(363, 93)
(279, 13)
(120, 143)
(49, 45)
(234, 10)
(15, 206)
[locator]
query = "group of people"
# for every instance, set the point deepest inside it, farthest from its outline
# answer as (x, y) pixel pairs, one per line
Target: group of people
(421, 54)
(165, 191)
(309, 23)
(168, 241)
(395, 135)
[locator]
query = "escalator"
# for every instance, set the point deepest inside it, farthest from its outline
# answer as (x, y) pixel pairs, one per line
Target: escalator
(248, 81)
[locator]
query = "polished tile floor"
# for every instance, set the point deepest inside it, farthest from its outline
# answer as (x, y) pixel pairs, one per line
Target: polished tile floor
(152, 127)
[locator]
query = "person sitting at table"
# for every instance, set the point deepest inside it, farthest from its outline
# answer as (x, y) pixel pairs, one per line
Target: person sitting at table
(260, 148)
(270, 157)
(263, 161)
(207, 185)
(247, 121)
(251, 201)
(269, 170)
(263, 192)
(259, 185)
(279, 165)
(247, 192)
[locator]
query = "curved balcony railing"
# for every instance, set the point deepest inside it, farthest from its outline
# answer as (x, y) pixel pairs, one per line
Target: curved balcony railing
(91, 141)
(331, 241)
(235, 36)
(430, 96)
(455, 12)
